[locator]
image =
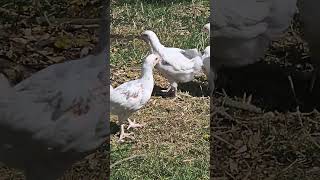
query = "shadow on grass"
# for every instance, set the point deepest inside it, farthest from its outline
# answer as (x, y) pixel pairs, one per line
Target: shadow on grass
(270, 87)
(157, 91)
(114, 128)
(196, 88)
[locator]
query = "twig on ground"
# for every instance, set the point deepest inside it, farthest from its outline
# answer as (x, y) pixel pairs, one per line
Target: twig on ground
(222, 113)
(88, 26)
(312, 140)
(127, 159)
(288, 167)
(239, 105)
(47, 19)
(223, 140)
(298, 113)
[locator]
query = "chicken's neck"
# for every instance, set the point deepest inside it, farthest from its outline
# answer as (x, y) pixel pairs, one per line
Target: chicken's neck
(147, 76)
(156, 46)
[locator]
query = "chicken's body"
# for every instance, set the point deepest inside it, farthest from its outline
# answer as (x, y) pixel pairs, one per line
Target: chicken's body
(176, 65)
(55, 117)
(131, 96)
(206, 61)
(243, 30)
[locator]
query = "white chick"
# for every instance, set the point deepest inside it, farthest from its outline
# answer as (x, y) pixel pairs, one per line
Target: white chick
(131, 96)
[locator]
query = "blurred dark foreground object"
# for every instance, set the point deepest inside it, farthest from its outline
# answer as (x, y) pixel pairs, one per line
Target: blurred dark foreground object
(57, 116)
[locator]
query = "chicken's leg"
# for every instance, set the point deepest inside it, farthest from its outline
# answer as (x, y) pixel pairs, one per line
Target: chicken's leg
(124, 135)
(174, 88)
(246, 100)
(133, 124)
(293, 89)
(315, 75)
(167, 90)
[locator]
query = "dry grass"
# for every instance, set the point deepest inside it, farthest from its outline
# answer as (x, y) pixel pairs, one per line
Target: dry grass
(176, 137)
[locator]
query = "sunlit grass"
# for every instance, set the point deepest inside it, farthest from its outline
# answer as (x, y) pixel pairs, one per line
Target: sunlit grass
(179, 25)
(174, 144)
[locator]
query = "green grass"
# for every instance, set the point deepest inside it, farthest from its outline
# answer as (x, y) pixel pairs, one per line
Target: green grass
(174, 144)
(176, 24)
(157, 165)
(163, 160)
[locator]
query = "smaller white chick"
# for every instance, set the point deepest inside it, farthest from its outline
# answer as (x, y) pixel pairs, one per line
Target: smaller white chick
(131, 96)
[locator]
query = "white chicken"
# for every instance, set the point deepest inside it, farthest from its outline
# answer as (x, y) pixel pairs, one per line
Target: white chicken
(176, 65)
(210, 73)
(310, 17)
(57, 116)
(133, 95)
(206, 53)
(243, 30)
(206, 61)
(206, 28)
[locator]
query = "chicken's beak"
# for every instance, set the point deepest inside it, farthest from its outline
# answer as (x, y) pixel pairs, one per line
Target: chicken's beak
(144, 38)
